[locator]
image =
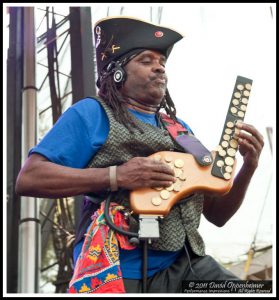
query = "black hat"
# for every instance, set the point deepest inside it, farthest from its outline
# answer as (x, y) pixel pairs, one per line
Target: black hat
(116, 36)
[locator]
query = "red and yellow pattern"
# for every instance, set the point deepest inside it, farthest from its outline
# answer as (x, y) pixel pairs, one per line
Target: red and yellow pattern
(98, 268)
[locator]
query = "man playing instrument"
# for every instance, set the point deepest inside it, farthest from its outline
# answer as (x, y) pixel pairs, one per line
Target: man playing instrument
(100, 147)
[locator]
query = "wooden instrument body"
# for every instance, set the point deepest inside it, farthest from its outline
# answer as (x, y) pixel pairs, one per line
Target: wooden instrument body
(198, 179)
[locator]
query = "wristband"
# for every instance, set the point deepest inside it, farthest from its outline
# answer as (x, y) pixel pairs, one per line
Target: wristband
(113, 179)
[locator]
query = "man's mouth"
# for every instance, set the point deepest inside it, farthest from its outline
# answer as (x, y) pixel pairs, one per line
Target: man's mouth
(160, 80)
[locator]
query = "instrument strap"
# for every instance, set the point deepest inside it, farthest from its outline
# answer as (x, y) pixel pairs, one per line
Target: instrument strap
(187, 140)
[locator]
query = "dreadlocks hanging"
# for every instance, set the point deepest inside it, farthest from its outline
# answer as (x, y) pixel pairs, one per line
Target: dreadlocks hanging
(110, 94)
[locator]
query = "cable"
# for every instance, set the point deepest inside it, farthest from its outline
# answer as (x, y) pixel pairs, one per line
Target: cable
(144, 266)
(112, 225)
(134, 239)
(190, 265)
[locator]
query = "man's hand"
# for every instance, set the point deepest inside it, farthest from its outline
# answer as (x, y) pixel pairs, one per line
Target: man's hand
(144, 172)
(250, 145)
(218, 210)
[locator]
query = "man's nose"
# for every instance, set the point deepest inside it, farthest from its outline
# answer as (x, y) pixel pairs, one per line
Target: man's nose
(159, 68)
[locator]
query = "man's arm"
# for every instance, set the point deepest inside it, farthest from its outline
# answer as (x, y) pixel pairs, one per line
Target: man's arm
(218, 210)
(41, 178)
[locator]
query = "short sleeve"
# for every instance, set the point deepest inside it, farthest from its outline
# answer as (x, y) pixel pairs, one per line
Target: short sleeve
(77, 135)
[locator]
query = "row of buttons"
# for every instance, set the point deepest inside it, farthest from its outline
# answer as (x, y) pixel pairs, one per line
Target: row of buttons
(228, 145)
(177, 166)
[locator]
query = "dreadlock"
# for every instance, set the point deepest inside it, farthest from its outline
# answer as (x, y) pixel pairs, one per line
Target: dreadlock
(109, 92)
(169, 106)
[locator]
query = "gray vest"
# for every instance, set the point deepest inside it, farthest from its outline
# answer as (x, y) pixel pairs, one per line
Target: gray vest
(183, 220)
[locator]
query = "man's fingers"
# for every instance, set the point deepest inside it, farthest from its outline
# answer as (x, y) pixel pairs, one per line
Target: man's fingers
(160, 167)
(162, 177)
(155, 183)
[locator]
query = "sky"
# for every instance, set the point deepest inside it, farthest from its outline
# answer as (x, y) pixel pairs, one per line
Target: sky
(222, 41)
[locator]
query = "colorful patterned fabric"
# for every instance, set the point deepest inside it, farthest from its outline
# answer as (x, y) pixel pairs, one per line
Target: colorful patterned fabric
(98, 268)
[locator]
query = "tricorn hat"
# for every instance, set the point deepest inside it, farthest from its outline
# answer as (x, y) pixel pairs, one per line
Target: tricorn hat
(116, 36)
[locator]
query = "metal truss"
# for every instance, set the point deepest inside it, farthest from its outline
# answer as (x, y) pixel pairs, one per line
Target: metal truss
(54, 96)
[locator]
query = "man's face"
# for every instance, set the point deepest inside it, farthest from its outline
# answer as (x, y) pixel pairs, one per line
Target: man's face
(146, 79)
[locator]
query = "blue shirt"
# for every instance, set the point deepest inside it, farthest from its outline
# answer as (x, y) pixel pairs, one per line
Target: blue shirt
(73, 141)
